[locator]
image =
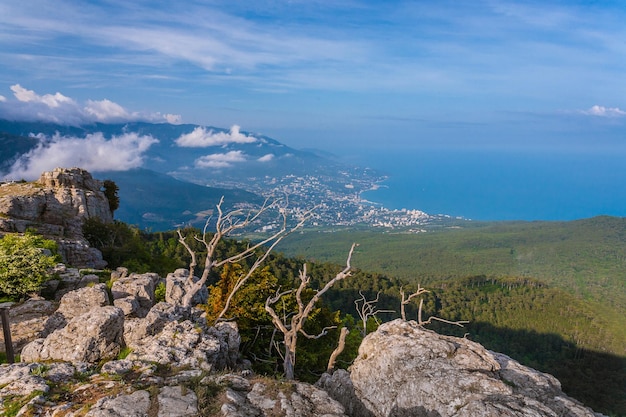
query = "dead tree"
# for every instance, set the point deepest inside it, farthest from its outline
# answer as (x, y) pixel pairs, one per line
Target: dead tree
(406, 300)
(366, 309)
(226, 224)
(420, 291)
(294, 325)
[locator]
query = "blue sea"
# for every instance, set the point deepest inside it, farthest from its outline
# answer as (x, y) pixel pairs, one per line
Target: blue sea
(502, 185)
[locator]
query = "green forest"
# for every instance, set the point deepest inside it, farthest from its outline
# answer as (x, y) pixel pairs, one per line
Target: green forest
(550, 295)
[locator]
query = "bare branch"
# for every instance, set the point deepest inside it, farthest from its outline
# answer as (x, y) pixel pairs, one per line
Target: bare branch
(406, 301)
(368, 309)
(340, 347)
(324, 332)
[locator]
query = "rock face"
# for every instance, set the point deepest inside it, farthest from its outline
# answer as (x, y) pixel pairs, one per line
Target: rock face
(405, 370)
(56, 206)
(91, 337)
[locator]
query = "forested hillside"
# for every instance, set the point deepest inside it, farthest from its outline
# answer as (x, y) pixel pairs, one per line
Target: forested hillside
(536, 321)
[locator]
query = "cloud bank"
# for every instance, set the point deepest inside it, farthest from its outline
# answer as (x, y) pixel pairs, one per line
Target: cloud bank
(93, 153)
(58, 108)
(220, 160)
(602, 111)
(203, 138)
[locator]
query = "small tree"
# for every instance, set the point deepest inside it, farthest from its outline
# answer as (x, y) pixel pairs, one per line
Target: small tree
(24, 263)
(290, 328)
(110, 192)
(420, 290)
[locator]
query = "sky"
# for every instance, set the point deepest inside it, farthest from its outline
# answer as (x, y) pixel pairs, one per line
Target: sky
(333, 75)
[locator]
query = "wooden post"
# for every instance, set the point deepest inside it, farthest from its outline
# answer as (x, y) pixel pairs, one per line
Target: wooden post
(8, 343)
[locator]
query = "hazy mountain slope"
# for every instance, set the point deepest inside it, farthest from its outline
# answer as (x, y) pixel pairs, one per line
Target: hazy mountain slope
(160, 202)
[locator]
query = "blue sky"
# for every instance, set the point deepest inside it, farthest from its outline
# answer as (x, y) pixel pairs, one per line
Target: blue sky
(336, 75)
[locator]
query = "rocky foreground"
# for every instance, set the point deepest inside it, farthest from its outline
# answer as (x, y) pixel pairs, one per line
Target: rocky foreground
(90, 355)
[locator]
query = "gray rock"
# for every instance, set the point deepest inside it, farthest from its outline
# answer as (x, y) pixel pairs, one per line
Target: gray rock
(139, 287)
(91, 337)
(403, 369)
(76, 303)
(182, 343)
(129, 305)
(177, 402)
(117, 367)
(136, 404)
(339, 386)
(175, 288)
(19, 380)
(27, 321)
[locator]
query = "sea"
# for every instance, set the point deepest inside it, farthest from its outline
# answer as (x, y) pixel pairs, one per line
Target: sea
(501, 185)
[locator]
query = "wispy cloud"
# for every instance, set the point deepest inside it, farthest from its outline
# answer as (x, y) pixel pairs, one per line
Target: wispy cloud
(93, 153)
(602, 111)
(266, 158)
(58, 108)
(201, 137)
(220, 160)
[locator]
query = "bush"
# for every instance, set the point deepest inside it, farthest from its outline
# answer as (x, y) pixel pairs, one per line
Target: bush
(24, 263)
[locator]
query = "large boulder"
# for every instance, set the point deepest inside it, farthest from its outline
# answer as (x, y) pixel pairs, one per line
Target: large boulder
(404, 370)
(173, 334)
(76, 303)
(135, 294)
(91, 337)
(27, 321)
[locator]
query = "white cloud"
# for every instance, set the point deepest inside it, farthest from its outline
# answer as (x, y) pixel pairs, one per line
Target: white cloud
(104, 110)
(604, 111)
(57, 108)
(3, 98)
(203, 138)
(266, 158)
(93, 153)
(220, 160)
(50, 100)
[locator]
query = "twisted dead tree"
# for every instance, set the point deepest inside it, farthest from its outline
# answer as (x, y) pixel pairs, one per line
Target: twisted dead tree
(406, 300)
(367, 309)
(294, 326)
(226, 224)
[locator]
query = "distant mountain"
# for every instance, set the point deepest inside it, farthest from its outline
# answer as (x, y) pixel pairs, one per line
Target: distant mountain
(187, 168)
(159, 202)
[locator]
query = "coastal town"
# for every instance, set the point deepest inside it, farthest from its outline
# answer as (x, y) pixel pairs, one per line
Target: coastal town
(337, 200)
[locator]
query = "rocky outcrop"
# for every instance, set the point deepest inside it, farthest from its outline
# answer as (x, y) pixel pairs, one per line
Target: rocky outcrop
(405, 370)
(56, 206)
(91, 337)
(135, 294)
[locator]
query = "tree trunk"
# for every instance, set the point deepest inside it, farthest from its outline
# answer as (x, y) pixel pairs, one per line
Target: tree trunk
(289, 364)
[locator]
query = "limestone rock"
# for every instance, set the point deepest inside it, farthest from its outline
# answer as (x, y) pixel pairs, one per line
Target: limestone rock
(286, 399)
(56, 206)
(175, 288)
(139, 287)
(19, 380)
(76, 303)
(176, 402)
(91, 337)
(403, 369)
(27, 321)
(136, 404)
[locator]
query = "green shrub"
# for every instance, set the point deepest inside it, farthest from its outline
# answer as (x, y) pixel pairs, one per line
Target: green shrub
(24, 263)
